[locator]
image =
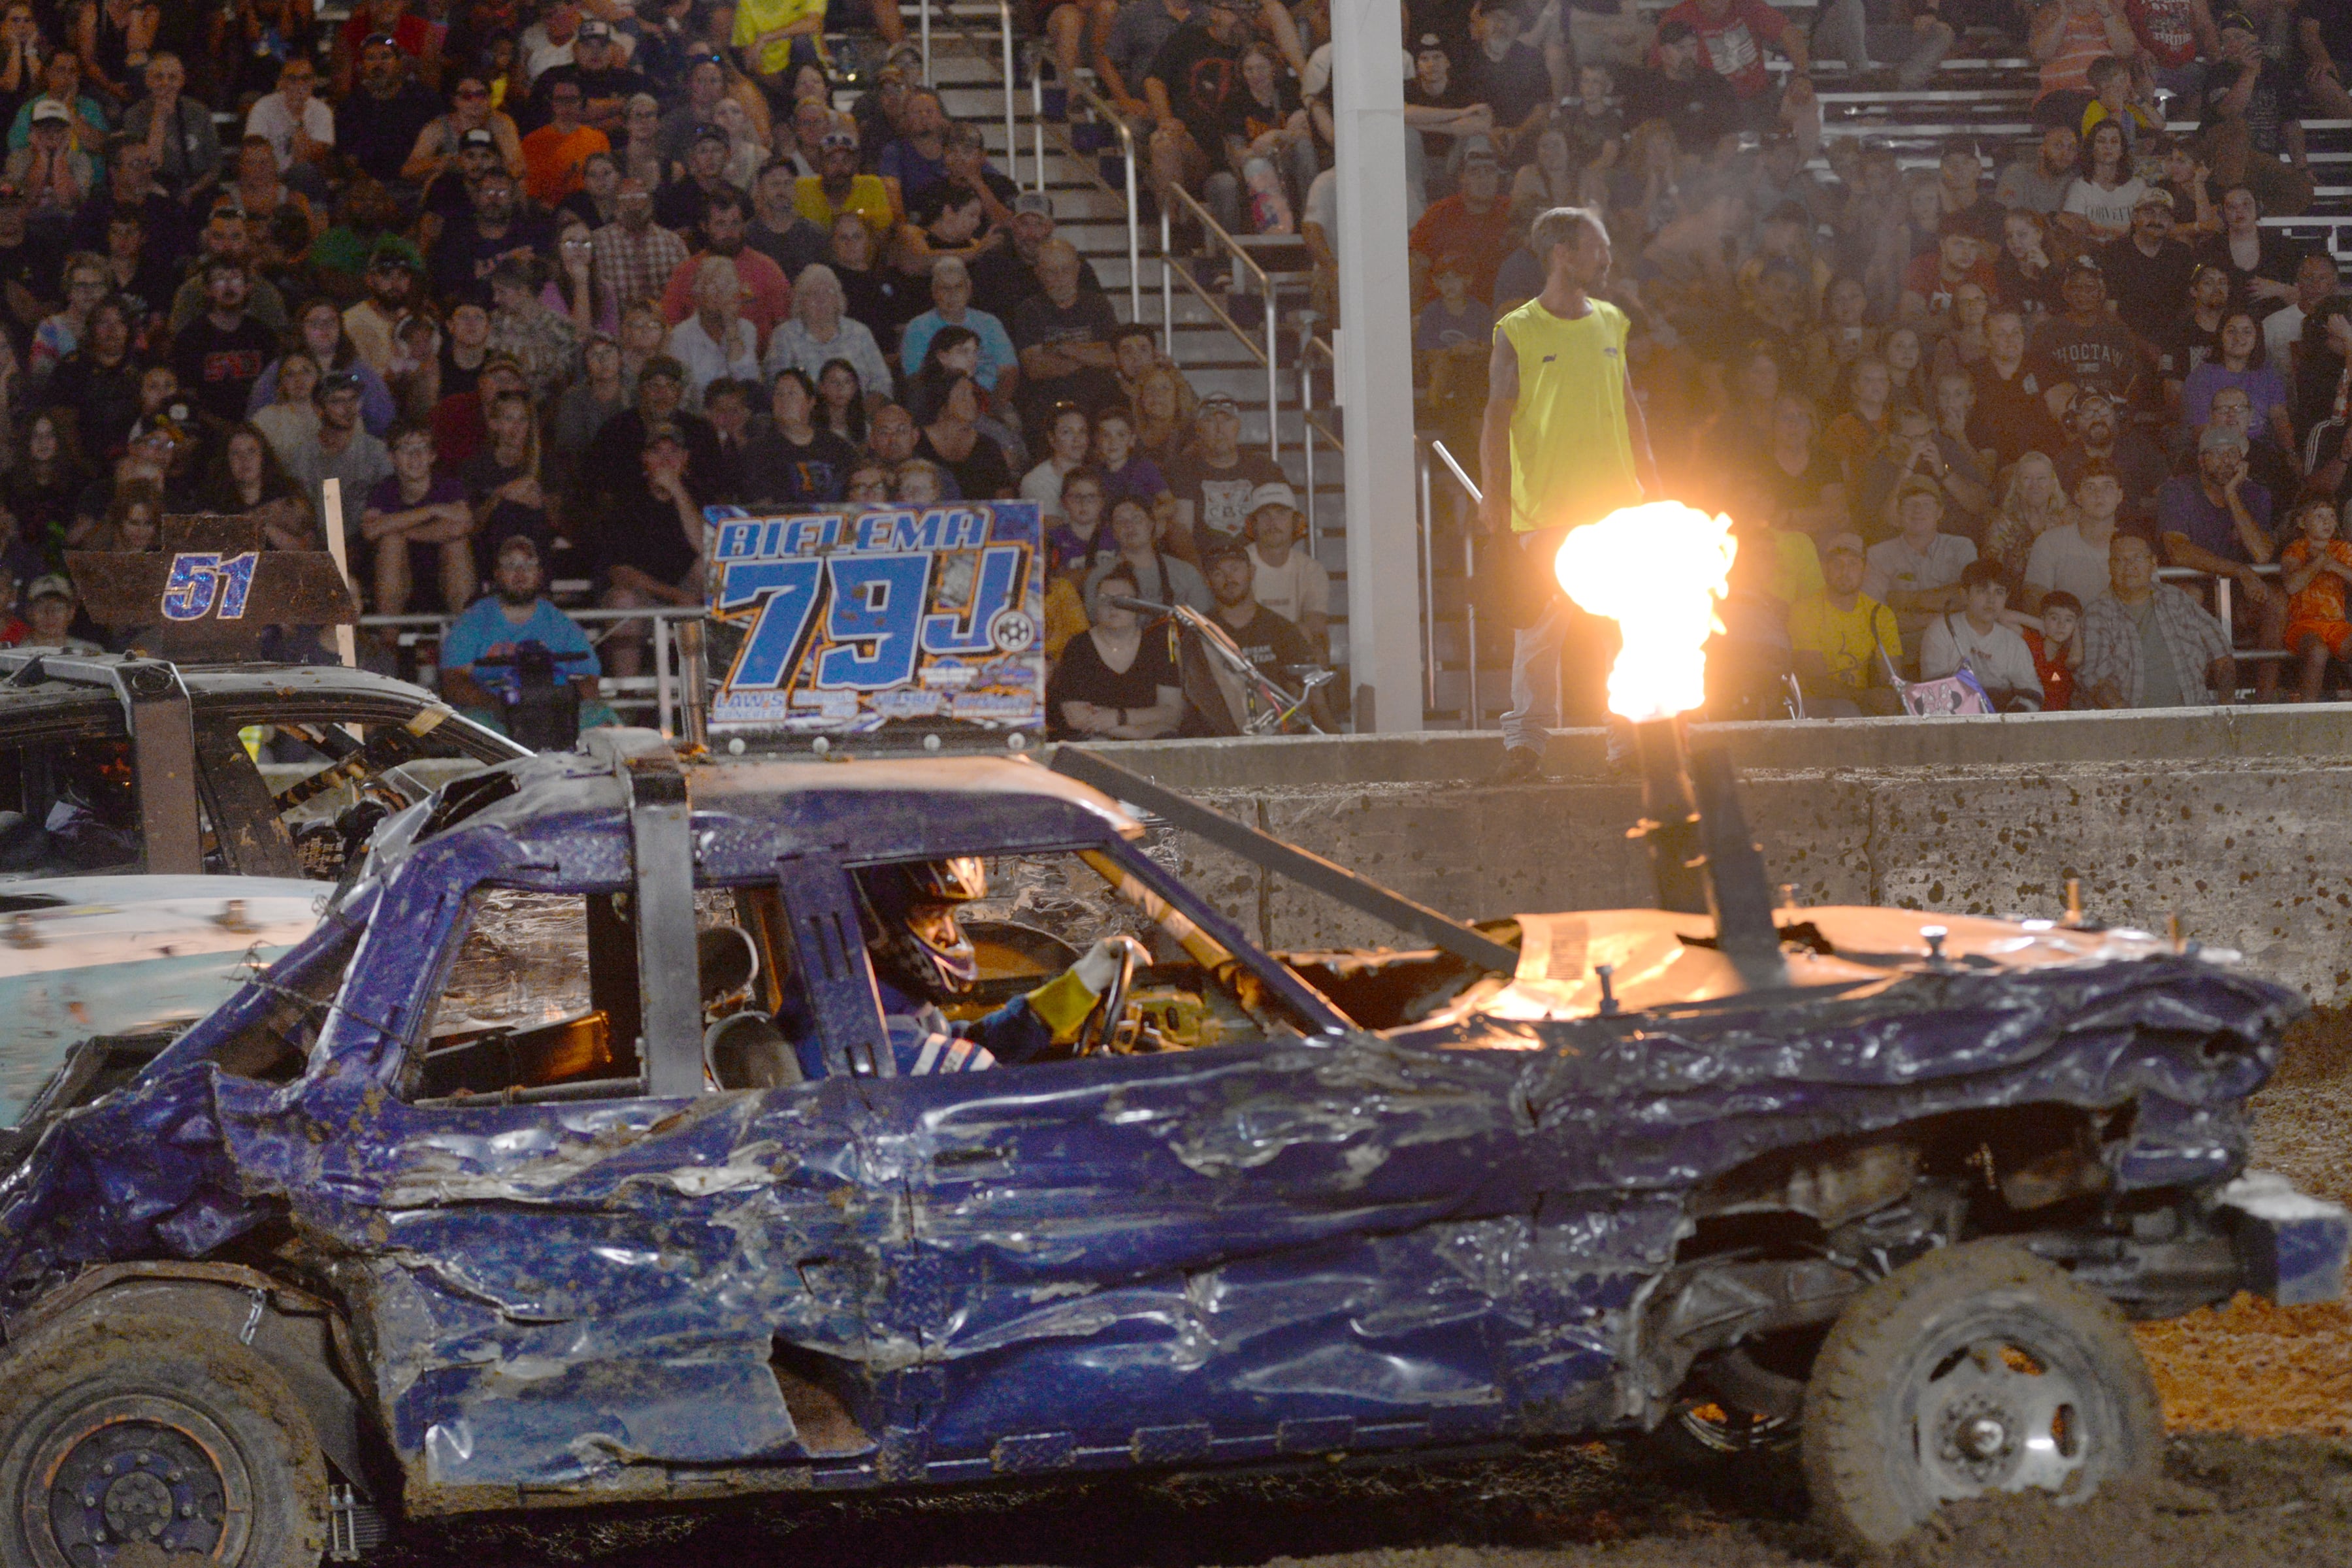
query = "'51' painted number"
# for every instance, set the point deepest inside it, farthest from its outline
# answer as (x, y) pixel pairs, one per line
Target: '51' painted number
(205, 583)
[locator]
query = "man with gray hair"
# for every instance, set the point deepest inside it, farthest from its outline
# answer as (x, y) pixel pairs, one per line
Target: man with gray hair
(1563, 445)
(717, 341)
(1064, 334)
(951, 306)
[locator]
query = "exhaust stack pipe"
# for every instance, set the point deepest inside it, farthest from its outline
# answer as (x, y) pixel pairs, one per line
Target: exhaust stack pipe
(1703, 858)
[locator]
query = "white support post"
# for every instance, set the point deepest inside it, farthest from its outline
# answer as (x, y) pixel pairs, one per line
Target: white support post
(1375, 371)
(332, 513)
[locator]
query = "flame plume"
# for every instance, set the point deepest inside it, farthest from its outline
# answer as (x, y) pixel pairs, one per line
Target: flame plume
(1656, 570)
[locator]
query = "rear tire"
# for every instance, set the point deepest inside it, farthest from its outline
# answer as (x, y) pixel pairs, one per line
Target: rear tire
(1975, 1369)
(126, 1430)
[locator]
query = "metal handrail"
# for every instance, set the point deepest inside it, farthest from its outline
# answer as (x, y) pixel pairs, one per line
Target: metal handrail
(1104, 111)
(1270, 355)
(1012, 120)
(665, 618)
(1471, 712)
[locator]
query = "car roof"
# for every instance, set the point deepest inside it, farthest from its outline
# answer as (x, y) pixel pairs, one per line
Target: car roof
(858, 810)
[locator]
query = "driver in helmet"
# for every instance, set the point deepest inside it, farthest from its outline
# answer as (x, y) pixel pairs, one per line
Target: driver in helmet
(922, 958)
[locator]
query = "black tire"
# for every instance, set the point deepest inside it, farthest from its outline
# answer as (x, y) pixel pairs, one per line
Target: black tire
(149, 1430)
(1703, 1437)
(1941, 1381)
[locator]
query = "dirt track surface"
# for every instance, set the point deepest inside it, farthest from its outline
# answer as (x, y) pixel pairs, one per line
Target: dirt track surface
(2259, 1474)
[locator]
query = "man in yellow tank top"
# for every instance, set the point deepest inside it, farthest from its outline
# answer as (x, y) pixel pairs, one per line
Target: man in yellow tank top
(1563, 445)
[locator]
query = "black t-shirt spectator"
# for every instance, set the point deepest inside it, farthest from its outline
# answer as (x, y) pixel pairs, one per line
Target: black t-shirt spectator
(612, 466)
(1459, 92)
(637, 527)
(378, 133)
(1449, 19)
(2012, 416)
(2102, 354)
(217, 368)
(165, 220)
(2182, 344)
(1700, 109)
(2276, 256)
(981, 475)
(481, 474)
(779, 472)
(1083, 676)
(2268, 107)
(883, 299)
(1001, 280)
(681, 204)
(2150, 291)
(462, 259)
(1199, 74)
(1513, 86)
(104, 398)
(1089, 318)
(1220, 497)
(1246, 119)
(802, 244)
(1269, 641)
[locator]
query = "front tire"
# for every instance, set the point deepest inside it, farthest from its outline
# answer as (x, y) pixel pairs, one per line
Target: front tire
(132, 1430)
(1975, 1369)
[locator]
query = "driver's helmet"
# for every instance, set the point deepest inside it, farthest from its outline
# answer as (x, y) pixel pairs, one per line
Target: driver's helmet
(96, 775)
(910, 923)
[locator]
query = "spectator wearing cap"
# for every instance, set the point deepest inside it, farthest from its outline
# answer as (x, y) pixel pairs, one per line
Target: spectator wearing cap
(839, 187)
(999, 369)
(545, 344)
(51, 608)
(1733, 38)
(298, 126)
(766, 296)
(2084, 346)
(388, 110)
(681, 201)
(1186, 87)
(54, 175)
(1699, 106)
(548, 41)
(1917, 573)
(1974, 638)
(1962, 255)
(1005, 275)
(448, 195)
(2149, 268)
(611, 465)
(340, 448)
(600, 68)
(1213, 484)
(2217, 520)
(395, 271)
(499, 229)
(177, 128)
(2101, 435)
(2147, 643)
(61, 84)
(552, 154)
(705, 84)
(1286, 577)
(1442, 109)
(1474, 223)
(1222, 705)
(1063, 337)
(440, 146)
(2251, 135)
(515, 615)
(635, 258)
(409, 35)
(1842, 640)
(646, 537)
(220, 355)
(366, 221)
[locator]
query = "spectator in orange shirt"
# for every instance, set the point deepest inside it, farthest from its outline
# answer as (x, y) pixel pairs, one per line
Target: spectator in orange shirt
(551, 155)
(2317, 565)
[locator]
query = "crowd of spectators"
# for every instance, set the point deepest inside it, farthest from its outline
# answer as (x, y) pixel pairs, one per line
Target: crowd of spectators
(1961, 402)
(539, 282)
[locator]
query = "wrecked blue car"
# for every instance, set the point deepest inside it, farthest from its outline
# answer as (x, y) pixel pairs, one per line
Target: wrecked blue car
(570, 1161)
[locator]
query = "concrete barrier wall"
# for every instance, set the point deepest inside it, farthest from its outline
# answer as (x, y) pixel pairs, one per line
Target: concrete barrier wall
(2239, 824)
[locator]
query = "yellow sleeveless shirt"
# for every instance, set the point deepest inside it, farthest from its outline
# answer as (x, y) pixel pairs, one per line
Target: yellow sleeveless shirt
(1572, 452)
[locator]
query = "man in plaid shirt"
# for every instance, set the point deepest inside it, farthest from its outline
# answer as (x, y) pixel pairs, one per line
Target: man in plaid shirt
(633, 255)
(2147, 643)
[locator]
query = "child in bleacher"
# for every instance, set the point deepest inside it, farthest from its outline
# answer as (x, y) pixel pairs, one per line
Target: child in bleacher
(2318, 566)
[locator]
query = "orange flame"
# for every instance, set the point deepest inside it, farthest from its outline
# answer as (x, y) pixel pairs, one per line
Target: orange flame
(1656, 570)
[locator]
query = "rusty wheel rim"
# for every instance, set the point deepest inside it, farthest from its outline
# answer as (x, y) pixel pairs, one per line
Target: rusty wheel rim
(137, 1469)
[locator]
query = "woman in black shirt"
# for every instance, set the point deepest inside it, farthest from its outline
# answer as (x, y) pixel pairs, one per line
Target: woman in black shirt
(1117, 681)
(948, 404)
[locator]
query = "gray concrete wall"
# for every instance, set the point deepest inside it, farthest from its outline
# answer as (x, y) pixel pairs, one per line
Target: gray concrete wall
(2238, 823)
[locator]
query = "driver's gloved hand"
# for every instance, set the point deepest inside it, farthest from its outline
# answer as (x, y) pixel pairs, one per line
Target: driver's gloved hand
(1100, 967)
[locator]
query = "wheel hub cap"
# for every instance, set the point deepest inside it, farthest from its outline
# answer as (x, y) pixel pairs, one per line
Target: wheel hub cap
(1997, 1420)
(137, 1471)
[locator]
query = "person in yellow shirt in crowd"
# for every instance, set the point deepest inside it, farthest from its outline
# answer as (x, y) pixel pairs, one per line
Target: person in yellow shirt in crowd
(1837, 636)
(838, 187)
(772, 37)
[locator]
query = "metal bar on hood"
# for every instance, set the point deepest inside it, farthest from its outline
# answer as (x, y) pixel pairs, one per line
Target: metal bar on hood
(1307, 869)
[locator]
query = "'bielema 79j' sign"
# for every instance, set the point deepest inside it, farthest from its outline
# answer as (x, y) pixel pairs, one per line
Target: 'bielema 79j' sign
(856, 621)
